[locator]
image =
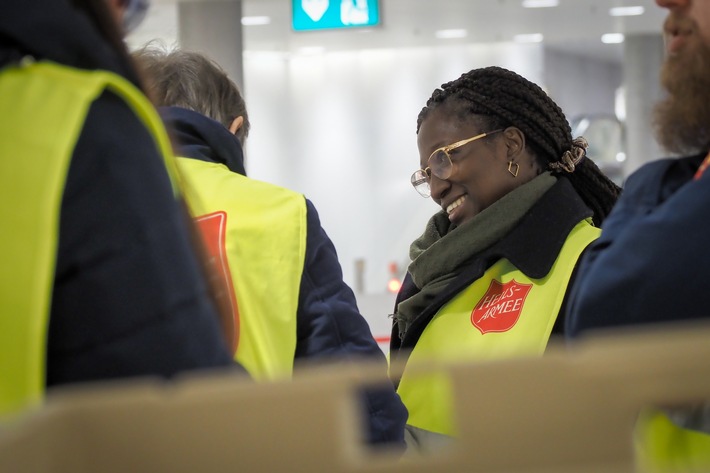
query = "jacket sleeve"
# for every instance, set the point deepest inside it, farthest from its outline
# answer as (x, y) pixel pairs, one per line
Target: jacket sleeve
(651, 262)
(128, 298)
(331, 327)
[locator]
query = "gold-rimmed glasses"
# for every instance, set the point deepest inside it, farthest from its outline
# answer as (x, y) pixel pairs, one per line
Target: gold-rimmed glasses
(439, 164)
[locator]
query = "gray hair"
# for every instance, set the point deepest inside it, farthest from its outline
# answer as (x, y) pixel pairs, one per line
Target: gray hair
(191, 80)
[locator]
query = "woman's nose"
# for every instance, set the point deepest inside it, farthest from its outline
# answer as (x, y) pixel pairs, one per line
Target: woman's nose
(439, 188)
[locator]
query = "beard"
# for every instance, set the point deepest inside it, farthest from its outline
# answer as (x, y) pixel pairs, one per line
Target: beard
(682, 119)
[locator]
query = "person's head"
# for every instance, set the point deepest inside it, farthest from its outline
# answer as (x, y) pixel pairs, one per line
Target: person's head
(191, 80)
(682, 119)
(128, 13)
(102, 16)
(527, 134)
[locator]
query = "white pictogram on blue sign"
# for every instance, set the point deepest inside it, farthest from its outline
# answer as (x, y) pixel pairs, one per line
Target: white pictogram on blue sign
(315, 9)
(354, 12)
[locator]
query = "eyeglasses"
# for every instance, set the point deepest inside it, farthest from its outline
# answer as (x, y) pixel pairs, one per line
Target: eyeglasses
(440, 165)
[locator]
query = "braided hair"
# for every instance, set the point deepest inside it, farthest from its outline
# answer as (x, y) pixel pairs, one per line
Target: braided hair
(501, 98)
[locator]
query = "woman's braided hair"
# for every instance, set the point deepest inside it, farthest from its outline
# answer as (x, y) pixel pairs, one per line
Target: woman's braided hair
(500, 98)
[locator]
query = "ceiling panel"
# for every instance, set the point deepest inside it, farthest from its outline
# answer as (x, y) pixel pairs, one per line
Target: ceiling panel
(575, 25)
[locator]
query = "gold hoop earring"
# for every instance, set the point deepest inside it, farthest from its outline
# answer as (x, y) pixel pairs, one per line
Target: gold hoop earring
(510, 168)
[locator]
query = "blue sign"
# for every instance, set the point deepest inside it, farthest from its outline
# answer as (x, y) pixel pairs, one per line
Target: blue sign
(325, 14)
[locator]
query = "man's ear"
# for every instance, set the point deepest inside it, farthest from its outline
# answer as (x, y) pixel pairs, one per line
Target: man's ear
(236, 124)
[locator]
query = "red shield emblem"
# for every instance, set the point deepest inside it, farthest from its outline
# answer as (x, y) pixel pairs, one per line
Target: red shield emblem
(500, 307)
(213, 228)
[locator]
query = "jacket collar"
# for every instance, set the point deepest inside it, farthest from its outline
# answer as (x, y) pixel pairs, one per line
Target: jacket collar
(532, 247)
(200, 137)
(56, 31)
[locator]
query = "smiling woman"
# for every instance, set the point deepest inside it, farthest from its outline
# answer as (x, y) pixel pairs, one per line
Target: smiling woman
(520, 202)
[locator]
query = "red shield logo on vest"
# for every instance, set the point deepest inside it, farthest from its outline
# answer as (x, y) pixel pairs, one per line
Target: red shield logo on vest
(213, 228)
(499, 308)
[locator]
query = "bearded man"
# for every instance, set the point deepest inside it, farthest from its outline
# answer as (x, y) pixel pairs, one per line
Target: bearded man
(652, 262)
(683, 118)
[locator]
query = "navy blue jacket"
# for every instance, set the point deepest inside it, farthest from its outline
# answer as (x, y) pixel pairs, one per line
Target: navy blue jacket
(329, 324)
(652, 261)
(128, 298)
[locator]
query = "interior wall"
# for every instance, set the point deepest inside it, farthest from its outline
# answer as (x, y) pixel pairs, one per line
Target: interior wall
(581, 85)
(341, 128)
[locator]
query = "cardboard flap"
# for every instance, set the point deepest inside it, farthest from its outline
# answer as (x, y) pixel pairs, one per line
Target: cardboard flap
(571, 411)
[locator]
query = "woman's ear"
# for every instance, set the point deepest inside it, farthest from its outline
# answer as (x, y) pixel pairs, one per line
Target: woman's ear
(514, 141)
(236, 124)
(519, 155)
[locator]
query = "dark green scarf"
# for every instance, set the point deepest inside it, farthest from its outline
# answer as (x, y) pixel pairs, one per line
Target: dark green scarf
(438, 254)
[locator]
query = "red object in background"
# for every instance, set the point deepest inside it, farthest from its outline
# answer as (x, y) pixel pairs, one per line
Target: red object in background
(394, 282)
(393, 285)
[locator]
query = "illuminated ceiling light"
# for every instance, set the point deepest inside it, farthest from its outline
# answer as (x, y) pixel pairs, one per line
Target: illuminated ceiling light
(612, 38)
(540, 3)
(626, 11)
(311, 50)
(255, 20)
(450, 34)
(528, 38)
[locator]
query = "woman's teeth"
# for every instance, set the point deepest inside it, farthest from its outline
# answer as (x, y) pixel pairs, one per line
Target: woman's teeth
(454, 204)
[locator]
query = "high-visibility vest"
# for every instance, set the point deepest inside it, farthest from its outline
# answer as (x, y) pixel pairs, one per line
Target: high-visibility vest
(43, 109)
(502, 314)
(663, 447)
(256, 232)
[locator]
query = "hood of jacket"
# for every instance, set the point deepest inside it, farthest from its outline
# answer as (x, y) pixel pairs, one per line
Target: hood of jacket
(200, 137)
(57, 31)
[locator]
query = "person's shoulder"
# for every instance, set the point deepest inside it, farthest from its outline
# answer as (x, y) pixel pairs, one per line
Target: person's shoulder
(651, 169)
(658, 167)
(657, 181)
(274, 188)
(651, 177)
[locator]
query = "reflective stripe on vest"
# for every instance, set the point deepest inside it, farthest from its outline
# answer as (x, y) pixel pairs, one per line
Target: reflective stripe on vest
(663, 447)
(503, 314)
(264, 240)
(43, 108)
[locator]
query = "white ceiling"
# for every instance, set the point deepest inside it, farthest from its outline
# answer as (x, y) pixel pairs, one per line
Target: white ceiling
(575, 25)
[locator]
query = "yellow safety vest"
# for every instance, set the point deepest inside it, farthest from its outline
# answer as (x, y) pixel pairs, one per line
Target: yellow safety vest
(663, 447)
(42, 110)
(502, 314)
(257, 234)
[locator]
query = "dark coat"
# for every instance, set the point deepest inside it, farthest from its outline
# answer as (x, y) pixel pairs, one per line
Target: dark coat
(651, 263)
(329, 324)
(128, 295)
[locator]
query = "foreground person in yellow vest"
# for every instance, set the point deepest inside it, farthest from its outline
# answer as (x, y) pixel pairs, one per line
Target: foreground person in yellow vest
(98, 278)
(290, 302)
(520, 201)
(651, 263)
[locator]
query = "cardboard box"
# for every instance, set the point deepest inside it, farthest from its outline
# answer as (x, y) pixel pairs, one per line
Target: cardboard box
(571, 411)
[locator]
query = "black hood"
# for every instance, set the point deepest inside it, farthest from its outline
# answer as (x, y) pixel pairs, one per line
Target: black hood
(200, 137)
(57, 31)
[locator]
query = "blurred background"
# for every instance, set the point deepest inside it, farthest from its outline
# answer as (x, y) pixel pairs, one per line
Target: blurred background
(333, 107)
